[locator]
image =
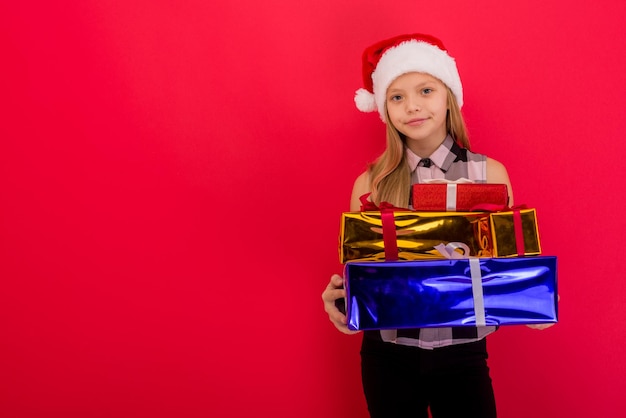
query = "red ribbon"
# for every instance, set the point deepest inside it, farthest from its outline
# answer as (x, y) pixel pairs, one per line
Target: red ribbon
(519, 232)
(368, 205)
(389, 235)
(390, 238)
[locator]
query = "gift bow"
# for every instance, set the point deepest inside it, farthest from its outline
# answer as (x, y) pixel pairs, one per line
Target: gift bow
(368, 205)
(449, 251)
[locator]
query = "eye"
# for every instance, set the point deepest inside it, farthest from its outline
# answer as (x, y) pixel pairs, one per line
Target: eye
(395, 98)
(427, 90)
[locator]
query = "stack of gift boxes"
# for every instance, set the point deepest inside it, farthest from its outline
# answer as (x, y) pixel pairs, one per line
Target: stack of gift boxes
(460, 257)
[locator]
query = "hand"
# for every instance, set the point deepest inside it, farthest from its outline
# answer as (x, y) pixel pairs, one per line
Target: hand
(544, 326)
(540, 326)
(335, 291)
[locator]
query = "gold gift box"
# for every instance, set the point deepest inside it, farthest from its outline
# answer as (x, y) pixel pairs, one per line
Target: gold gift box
(503, 231)
(486, 234)
(361, 236)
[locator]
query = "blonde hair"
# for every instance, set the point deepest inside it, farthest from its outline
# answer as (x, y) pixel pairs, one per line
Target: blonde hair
(390, 175)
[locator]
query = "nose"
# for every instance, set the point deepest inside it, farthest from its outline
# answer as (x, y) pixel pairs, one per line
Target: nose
(414, 104)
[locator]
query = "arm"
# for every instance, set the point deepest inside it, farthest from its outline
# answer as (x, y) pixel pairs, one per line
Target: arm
(496, 173)
(335, 289)
(361, 187)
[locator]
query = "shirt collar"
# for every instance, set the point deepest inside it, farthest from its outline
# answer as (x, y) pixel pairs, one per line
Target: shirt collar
(443, 157)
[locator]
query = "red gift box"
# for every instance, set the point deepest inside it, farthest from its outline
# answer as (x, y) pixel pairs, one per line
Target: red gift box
(457, 197)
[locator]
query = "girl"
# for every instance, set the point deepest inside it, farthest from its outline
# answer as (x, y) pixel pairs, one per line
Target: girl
(414, 85)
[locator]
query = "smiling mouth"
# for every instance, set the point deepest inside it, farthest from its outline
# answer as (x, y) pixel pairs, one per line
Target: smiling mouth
(416, 121)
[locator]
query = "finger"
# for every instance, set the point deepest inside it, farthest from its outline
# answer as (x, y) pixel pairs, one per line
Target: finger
(342, 326)
(346, 330)
(331, 295)
(540, 326)
(337, 317)
(334, 313)
(336, 281)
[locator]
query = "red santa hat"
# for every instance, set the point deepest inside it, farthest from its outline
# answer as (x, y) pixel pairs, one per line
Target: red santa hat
(385, 61)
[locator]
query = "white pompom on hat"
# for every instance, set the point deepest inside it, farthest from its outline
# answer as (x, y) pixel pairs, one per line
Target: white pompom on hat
(385, 61)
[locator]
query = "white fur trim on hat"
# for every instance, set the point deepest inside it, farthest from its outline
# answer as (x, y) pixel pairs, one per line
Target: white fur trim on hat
(414, 56)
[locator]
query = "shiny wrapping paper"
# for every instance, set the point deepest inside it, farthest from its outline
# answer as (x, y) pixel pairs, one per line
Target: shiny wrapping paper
(417, 233)
(457, 197)
(507, 240)
(442, 293)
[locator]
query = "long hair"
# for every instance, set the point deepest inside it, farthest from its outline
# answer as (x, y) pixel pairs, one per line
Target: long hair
(390, 175)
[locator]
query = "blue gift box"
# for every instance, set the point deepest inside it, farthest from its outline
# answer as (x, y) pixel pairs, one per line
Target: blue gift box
(442, 293)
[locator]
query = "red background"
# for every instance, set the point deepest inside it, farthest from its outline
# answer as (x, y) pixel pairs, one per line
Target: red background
(172, 175)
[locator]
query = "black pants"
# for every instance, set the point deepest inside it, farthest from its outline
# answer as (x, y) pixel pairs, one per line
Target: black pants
(402, 381)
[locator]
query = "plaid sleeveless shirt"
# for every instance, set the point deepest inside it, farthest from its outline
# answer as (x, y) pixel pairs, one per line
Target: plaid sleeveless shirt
(450, 162)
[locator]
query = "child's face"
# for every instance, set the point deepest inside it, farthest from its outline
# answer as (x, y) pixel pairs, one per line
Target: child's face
(417, 106)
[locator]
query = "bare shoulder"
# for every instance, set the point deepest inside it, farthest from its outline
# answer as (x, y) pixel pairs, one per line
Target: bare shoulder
(361, 187)
(496, 173)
